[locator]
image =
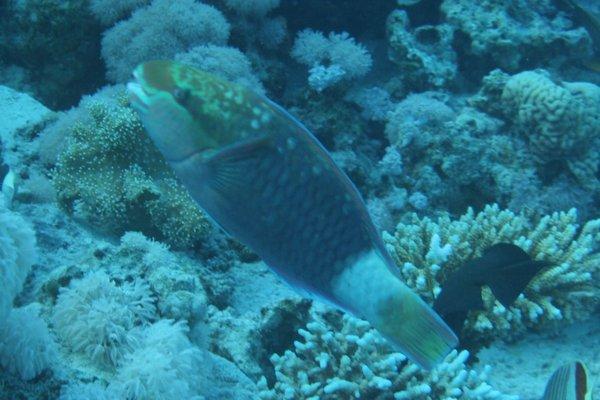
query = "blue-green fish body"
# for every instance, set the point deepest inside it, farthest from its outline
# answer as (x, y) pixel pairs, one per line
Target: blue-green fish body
(269, 183)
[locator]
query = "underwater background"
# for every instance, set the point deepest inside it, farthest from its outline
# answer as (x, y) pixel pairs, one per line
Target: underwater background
(462, 123)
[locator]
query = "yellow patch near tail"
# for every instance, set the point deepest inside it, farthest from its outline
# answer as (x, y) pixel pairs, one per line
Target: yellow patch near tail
(369, 289)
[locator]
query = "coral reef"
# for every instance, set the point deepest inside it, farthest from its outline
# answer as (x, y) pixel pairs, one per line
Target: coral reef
(227, 62)
(96, 317)
(160, 30)
(331, 59)
(110, 175)
(425, 56)
(26, 346)
(514, 35)
(427, 250)
(559, 120)
(345, 358)
(18, 252)
(57, 43)
(126, 291)
(455, 158)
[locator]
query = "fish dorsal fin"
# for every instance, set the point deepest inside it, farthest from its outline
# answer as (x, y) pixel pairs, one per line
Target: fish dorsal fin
(226, 169)
(507, 270)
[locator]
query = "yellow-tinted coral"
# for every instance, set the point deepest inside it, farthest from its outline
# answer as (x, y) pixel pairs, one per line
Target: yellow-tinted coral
(110, 175)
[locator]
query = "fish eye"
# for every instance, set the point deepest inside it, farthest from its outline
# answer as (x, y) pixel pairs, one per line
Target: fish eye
(181, 96)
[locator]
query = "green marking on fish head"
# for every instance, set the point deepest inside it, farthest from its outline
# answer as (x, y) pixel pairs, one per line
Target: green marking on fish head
(187, 111)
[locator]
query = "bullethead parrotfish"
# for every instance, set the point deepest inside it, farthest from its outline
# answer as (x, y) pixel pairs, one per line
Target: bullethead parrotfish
(267, 181)
(504, 267)
(569, 382)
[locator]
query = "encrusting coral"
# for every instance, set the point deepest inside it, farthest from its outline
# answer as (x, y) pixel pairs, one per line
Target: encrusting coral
(513, 35)
(424, 55)
(426, 251)
(346, 358)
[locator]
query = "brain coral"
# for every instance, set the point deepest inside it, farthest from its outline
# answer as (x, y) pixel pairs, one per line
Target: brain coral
(110, 175)
(426, 251)
(558, 120)
(347, 359)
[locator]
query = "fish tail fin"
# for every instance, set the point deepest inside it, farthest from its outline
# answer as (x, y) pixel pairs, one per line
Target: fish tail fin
(369, 288)
(415, 328)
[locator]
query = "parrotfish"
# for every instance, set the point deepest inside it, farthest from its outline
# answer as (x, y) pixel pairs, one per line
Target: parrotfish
(504, 267)
(263, 178)
(569, 382)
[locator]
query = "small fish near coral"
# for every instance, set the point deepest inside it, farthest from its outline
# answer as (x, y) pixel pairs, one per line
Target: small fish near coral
(569, 382)
(504, 267)
(267, 181)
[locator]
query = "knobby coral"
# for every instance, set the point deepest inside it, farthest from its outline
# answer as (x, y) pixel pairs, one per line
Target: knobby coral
(426, 251)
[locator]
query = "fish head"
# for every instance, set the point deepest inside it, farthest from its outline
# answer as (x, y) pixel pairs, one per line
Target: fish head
(187, 111)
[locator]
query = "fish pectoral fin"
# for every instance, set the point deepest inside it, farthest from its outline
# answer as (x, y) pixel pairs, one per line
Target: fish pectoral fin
(227, 168)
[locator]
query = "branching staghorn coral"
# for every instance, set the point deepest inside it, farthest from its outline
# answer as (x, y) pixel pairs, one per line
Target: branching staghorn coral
(427, 251)
(349, 359)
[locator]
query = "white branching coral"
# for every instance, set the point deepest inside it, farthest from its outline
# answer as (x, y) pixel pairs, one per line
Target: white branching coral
(354, 361)
(427, 251)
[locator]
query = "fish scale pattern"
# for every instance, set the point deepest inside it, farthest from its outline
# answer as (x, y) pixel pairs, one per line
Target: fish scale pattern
(308, 227)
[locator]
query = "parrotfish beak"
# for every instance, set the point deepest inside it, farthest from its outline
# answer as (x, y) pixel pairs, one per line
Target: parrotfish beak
(169, 124)
(149, 78)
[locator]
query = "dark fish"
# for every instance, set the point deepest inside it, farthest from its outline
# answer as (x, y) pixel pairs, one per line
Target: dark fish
(569, 382)
(504, 267)
(265, 179)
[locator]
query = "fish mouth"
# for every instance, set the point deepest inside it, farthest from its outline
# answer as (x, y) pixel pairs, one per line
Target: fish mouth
(138, 97)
